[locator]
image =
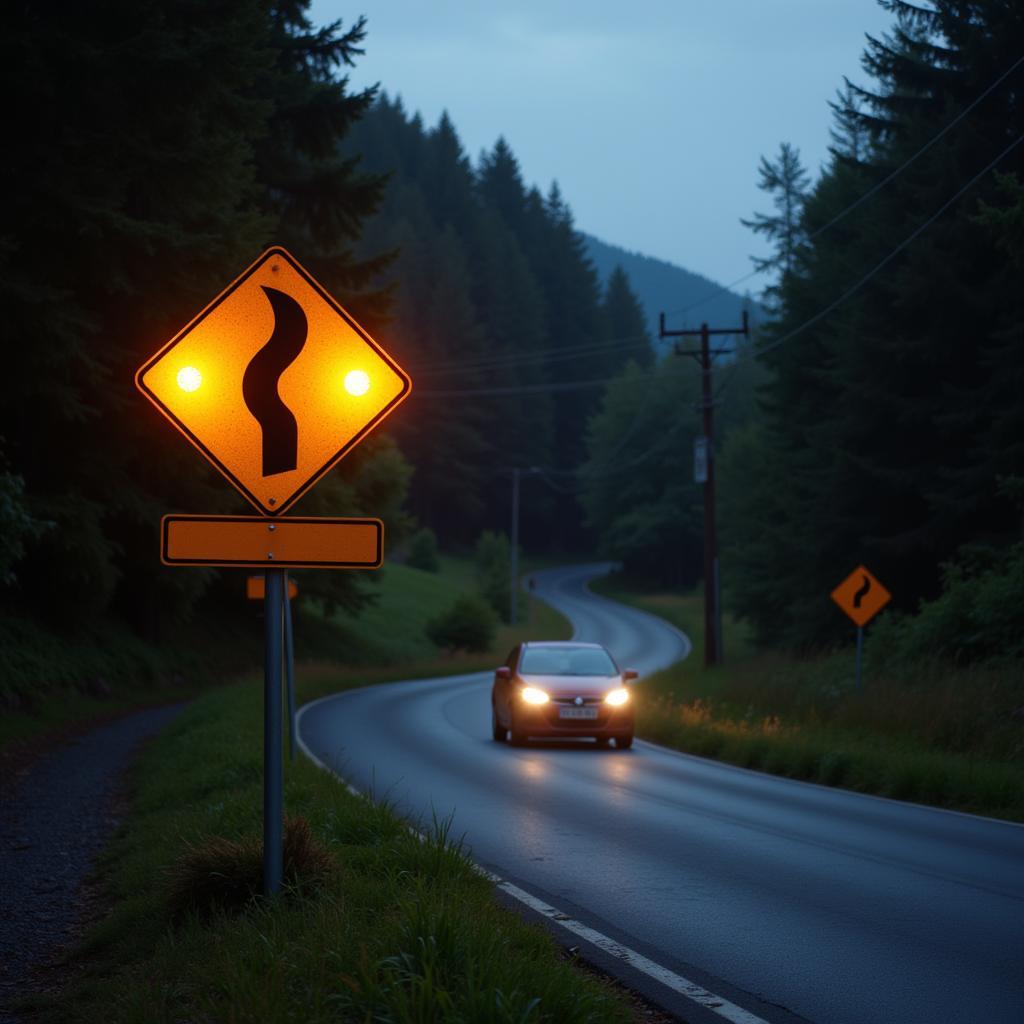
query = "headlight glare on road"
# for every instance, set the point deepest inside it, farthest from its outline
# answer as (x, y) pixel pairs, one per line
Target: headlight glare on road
(534, 696)
(617, 697)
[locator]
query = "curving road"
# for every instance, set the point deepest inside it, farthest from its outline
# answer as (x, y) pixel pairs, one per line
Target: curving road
(786, 899)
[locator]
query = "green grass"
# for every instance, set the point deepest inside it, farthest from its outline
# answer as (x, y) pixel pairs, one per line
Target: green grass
(392, 630)
(932, 733)
(388, 634)
(402, 930)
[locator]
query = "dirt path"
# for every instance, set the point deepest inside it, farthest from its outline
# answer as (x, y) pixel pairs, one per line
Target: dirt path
(54, 820)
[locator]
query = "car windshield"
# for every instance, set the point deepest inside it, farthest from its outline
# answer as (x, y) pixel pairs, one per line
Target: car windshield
(567, 661)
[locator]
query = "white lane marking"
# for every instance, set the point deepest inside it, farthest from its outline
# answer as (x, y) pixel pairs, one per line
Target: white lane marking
(700, 995)
(676, 982)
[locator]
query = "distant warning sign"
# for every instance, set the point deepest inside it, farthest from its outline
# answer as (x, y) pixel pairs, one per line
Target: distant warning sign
(861, 596)
(273, 382)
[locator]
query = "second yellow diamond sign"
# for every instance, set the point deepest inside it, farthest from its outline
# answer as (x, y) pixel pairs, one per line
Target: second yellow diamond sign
(273, 382)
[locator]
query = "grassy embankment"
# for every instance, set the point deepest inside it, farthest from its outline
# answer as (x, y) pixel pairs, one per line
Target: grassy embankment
(397, 929)
(933, 734)
(55, 683)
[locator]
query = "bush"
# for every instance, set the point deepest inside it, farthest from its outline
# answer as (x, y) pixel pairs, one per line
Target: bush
(979, 615)
(468, 625)
(423, 551)
(493, 572)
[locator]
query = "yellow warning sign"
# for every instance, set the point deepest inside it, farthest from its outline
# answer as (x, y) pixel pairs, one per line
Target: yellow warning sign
(861, 596)
(273, 382)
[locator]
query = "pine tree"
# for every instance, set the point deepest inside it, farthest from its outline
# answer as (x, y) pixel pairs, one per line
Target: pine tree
(625, 318)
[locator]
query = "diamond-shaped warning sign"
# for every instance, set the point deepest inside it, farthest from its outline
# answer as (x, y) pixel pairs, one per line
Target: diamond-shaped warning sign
(273, 382)
(861, 596)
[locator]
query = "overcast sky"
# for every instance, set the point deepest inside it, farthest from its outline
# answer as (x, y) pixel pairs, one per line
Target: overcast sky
(651, 115)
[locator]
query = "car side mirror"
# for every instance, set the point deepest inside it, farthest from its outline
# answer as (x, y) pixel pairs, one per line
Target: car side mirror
(630, 673)
(503, 673)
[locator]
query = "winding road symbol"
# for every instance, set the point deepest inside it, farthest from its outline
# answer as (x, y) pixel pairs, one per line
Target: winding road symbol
(273, 382)
(862, 593)
(259, 384)
(861, 596)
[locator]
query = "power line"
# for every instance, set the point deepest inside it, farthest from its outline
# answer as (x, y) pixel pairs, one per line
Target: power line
(863, 198)
(752, 353)
(552, 355)
(525, 389)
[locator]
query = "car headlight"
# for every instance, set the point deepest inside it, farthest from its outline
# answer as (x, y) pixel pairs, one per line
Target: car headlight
(534, 696)
(617, 697)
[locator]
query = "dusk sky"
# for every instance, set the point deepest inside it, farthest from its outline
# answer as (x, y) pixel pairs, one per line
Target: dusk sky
(651, 116)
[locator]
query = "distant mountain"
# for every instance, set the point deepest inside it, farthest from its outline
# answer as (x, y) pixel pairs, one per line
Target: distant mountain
(665, 288)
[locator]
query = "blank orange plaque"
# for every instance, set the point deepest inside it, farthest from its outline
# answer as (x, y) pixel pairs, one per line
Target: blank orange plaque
(292, 543)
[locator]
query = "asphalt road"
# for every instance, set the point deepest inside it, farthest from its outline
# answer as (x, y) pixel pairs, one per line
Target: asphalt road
(785, 897)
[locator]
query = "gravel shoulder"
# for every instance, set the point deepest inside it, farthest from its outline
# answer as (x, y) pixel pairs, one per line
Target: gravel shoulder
(55, 818)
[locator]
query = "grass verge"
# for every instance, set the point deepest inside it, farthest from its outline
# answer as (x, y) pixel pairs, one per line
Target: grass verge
(111, 673)
(931, 733)
(397, 930)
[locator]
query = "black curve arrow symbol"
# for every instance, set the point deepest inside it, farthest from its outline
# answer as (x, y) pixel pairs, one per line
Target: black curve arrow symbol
(261, 377)
(862, 593)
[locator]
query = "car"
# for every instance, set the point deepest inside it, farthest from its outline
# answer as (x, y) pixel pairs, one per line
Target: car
(558, 689)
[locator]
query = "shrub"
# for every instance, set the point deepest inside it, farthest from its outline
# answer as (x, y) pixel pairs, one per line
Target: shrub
(222, 874)
(493, 570)
(978, 616)
(469, 624)
(423, 551)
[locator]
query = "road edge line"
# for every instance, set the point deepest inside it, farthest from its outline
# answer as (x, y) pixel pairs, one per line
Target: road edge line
(677, 983)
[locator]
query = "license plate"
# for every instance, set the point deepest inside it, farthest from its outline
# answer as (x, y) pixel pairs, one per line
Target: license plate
(577, 712)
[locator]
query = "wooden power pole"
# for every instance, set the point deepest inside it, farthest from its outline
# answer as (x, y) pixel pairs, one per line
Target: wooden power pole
(704, 472)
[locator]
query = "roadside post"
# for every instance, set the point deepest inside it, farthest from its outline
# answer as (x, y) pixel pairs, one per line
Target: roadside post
(862, 597)
(255, 590)
(273, 382)
(289, 666)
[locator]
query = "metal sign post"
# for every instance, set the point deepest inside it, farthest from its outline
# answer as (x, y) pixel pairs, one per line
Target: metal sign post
(860, 654)
(289, 666)
(273, 761)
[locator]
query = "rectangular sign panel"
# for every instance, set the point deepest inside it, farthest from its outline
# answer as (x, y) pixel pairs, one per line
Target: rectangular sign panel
(700, 460)
(289, 543)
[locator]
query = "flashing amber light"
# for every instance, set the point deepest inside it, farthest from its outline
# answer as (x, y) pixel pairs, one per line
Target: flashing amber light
(189, 378)
(357, 382)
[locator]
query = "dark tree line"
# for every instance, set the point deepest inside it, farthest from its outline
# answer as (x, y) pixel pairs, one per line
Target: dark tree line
(493, 293)
(891, 431)
(154, 151)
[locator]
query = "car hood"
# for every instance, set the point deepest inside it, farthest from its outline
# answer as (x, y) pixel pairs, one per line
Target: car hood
(573, 686)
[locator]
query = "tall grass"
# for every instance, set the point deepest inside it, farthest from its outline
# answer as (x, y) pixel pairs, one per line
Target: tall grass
(929, 731)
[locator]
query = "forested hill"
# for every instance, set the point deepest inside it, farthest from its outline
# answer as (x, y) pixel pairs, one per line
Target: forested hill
(503, 322)
(663, 287)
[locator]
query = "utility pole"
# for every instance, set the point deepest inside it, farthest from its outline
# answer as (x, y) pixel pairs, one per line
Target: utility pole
(514, 553)
(713, 652)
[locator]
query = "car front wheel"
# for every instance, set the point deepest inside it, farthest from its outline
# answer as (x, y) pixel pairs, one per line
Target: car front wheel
(497, 731)
(624, 742)
(516, 736)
